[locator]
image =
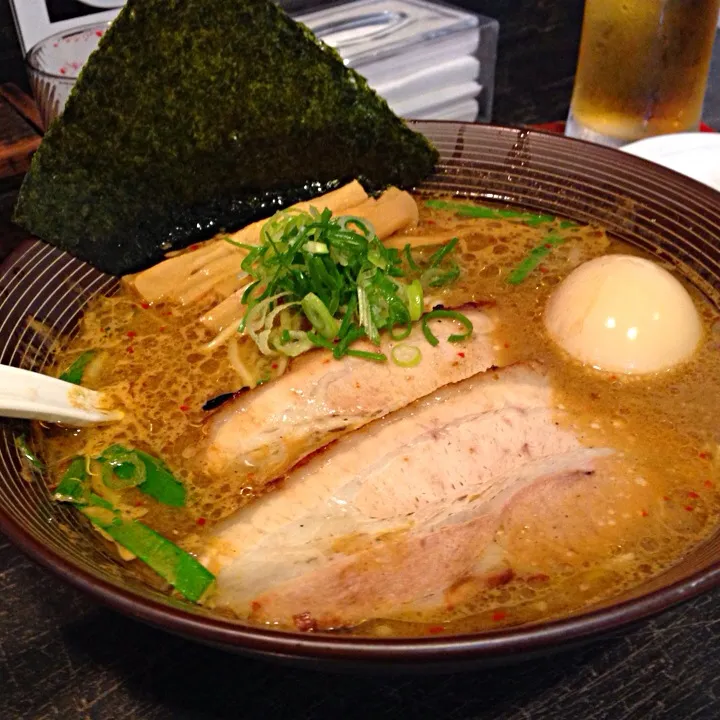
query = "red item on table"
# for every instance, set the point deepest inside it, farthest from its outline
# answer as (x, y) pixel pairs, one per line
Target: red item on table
(559, 127)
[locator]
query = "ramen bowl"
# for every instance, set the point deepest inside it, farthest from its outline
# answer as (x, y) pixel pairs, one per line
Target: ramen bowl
(665, 214)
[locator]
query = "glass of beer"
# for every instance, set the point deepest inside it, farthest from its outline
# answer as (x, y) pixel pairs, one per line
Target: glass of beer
(642, 69)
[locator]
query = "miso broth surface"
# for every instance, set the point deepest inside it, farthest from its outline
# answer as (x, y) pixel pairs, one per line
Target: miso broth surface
(662, 501)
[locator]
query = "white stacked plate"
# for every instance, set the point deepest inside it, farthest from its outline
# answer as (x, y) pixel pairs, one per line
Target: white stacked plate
(429, 61)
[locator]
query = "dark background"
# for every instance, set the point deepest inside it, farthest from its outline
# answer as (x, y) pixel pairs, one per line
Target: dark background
(67, 9)
(536, 55)
(11, 67)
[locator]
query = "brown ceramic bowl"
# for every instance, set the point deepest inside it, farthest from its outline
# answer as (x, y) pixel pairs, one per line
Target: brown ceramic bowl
(664, 213)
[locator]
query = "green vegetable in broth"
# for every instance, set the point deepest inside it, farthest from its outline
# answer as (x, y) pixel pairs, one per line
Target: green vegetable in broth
(27, 454)
(409, 258)
(188, 576)
(121, 468)
(437, 257)
(124, 468)
(199, 116)
(73, 486)
(74, 373)
(436, 276)
(528, 264)
(160, 483)
(480, 211)
(451, 315)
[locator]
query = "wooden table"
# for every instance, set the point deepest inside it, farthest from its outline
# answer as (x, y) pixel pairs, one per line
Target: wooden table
(20, 128)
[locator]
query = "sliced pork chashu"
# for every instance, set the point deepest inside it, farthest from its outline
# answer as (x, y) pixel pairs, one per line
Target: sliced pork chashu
(261, 434)
(395, 516)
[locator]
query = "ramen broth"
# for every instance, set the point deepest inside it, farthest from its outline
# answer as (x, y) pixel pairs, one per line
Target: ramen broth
(662, 500)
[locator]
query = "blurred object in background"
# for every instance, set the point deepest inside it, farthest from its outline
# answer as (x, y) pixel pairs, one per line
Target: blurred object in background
(711, 107)
(696, 155)
(642, 69)
(537, 49)
(36, 20)
(428, 60)
(54, 64)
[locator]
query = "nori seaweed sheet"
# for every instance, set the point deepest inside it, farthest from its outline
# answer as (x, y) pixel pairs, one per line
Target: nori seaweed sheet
(196, 115)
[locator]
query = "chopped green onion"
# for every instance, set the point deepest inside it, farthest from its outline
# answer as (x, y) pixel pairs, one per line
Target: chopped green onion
(406, 355)
(566, 224)
(365, 314)
(74, 373)
(428, 333)
(123, 468)
(462, 319)
(73, 485)
(353, 333)
(436, 277)
(481, 211)
(320, 341)
(405, 330)
(340, 275)
(410, 260)
(416, 301)
(347, 318)
(160, 483)
(438, 255)
(260, 322)
(246, 296)
(24, 450)
(526, 266)
(319, 316)
(244, 246)
(377, 357)
(316, 248)
(451, 315)
(297, 343)
(188, 576)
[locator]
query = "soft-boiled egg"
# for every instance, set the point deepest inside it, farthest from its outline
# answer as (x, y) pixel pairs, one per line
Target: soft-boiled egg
(624, 314)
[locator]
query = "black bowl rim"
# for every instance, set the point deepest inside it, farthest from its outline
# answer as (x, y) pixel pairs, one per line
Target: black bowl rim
(506, 643)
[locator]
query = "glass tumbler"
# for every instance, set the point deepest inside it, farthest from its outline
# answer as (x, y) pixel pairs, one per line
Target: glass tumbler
(642, 69)
(54, 64)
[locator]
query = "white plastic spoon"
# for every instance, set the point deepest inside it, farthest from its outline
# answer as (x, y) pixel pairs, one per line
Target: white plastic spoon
(30, 395)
